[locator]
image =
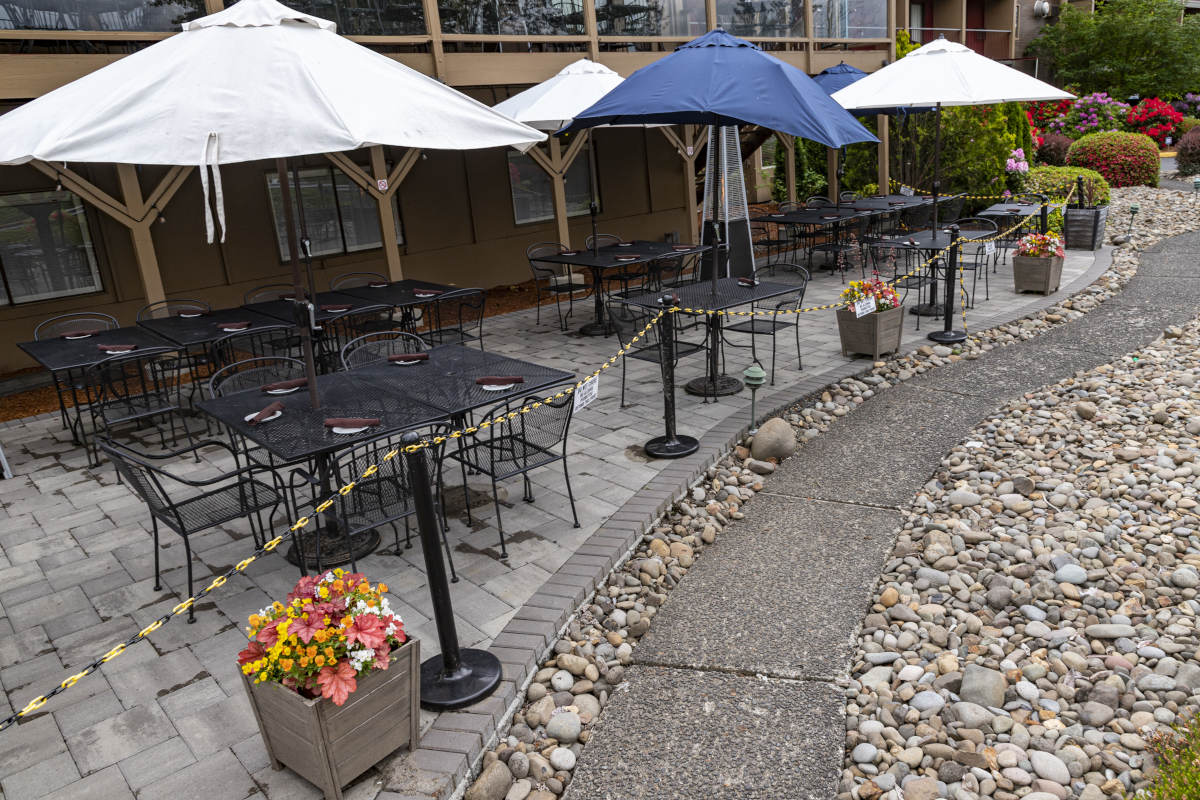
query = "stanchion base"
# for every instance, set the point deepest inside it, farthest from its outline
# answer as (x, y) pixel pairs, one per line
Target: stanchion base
(677, 447)
(477, 676)
(720, 386)
(926, 310)
(948, 337)
(335, 549)
(597, 329)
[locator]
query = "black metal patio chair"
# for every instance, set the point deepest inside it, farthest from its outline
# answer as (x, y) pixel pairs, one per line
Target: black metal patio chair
(551, 279)
(457, 317)
(63, 325)
(219, 500)
(629, 321)
(264, 341)
(355, 280)
(271, 291)
(774, 324)
(974, 256)
(531, 440)
(372, 348)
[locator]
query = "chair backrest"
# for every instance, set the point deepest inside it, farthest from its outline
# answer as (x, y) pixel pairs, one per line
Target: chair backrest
(917, 217)
(602, 240)
(950, 208)
(272, 291)
(138, 474)
(78, 321)
(791, 300)
(787, 206)
(629, 321)
(172, 308)
(976, 224)
(372, 348)
(461, 309)
(1030, 197)
(269, 340)
(253, 373)
(547, 425)
(540, 269)
(140, 375)
(818, 201)
(848, 195)
(353, 280)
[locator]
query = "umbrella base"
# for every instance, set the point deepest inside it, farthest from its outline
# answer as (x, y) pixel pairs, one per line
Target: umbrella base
(927, 310)
(675, 447)
(597, 329)
(478, 674)
(947, 337)
(335, 549)
(720, 386)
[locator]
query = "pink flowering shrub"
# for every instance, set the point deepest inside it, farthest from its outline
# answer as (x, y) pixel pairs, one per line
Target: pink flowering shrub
(1124, 159)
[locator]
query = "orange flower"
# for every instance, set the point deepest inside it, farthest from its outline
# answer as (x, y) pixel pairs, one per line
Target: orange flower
(383, 588)
(285, 664)
(255, 620)
(339, 585)
(319, 661)
(321, 635)
(329, 653)
(311, 650)
(364, 587)
(303, 661)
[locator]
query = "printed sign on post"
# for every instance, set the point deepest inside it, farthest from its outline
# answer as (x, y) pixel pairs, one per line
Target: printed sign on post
(906, 191)
(382, 184)
(864, 307)
(585, 394)
(989, 248)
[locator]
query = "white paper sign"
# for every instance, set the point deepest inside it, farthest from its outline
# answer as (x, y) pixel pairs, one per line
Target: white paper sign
(989, 248)
(906, 191)
(585, 394)
(864, 307)
(382, 184)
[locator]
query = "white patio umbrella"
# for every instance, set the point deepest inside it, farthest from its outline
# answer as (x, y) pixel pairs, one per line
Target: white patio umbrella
(943, 73)
(255, 81)
(552, 105)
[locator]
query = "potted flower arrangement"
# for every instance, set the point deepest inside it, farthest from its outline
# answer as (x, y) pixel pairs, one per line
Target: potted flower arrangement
(1037, 263)
(873, 331)
(332, 678)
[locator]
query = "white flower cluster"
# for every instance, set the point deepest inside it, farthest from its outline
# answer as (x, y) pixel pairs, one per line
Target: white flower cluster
(361, 657)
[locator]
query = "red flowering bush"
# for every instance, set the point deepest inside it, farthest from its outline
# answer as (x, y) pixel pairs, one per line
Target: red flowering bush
(1054, 149)
(1155, 118)
(1187, 154)
(1124, 159)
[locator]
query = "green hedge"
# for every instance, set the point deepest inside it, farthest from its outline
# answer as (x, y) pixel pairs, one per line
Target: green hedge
(1057, 182)
(1124, 159)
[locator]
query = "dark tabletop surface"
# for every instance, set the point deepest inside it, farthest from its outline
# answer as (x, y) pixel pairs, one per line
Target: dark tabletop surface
(892, 202)
(62, 354)
(729, 295)
(923, 240)
(606, 257)
(1011, 209)
(810, 216)
(285, 310)
(402, 397)
(398, 294)
(191, 331)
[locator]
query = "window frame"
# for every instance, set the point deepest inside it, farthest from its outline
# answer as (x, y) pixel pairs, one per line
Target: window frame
(92, 236)
(585, 157)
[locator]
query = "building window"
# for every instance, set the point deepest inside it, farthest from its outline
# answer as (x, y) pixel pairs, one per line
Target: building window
(532, 197)
(762, 18)
(339, 215)
(513, 18)
(916, 22)
(850, 19)
(99, 15)
(685, 19)
(45, 248)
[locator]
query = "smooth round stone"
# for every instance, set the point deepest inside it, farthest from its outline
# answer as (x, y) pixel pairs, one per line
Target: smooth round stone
(927, 700)
(910, 672)
(864, 753)
(1033, 613)
(562, 758)
(1038, 630)
(1050, 767)
(870, 727)
(562, 681)
(564, 727)
(1071, 573)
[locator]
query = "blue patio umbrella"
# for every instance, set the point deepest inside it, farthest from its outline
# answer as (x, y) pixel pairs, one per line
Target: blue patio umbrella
(837, 77)
(722, 80)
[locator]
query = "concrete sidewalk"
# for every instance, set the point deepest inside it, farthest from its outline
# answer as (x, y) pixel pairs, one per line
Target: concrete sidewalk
(734, 693)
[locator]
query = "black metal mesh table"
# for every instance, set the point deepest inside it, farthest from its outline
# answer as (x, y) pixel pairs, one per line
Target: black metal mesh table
(193, 331)
(720, 295)
(810, 217)
(926, 241)
(61, 355)
(398, 294)
(617, 256)
(284, 309)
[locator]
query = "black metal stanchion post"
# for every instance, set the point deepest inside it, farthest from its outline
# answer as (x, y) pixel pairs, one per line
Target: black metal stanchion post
(1045, 220)
(457, 677)
(669, 445)
(948, 335)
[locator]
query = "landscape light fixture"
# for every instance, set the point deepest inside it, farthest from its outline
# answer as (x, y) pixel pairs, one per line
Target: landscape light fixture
(754, 376)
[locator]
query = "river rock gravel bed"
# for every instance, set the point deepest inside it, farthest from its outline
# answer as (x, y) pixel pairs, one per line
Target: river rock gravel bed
(535, 757)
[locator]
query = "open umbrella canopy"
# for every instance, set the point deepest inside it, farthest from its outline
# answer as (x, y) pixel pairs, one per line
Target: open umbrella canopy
(553, 103)
(837, 77)
(944, 72)
(719, 79)
(255, 81)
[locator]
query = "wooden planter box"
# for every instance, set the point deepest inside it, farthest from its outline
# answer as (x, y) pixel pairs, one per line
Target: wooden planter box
(1034, 274)
(329, 745)
(872, 334)
(1083, 228)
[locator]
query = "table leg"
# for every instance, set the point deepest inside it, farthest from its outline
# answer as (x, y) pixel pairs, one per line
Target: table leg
(326, 546)
(931, 308)
(601, 326)
(457, 677)
(713, 383)
(669, 445)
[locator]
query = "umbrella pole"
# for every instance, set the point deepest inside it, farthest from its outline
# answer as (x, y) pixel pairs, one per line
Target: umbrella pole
(715, 182)
(937, 169)
(304, 309)
(305, 242)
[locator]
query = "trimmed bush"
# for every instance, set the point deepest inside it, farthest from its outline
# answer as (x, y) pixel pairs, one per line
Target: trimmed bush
(1054, 149)
(1124, 159)
(1186, 124)
(1057, 182)
(1092, 113)
(1154, 118)
(1187, 154)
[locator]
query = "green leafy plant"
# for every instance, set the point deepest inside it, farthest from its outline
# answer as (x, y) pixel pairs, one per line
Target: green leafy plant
(1091, 113)
(810, 170)
(1177, 758)
(1124, 159)
(1124, 47)
(1054, 149)
(1187, 154)
(1057, 182)
(905, 44)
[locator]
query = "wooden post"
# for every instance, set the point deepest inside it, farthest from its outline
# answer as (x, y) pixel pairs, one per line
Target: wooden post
(789, 156)
(143, 242)
(589, 28)
(387, 222)
(831, 165)
(881, 126)
(687, 144)
(558, 189)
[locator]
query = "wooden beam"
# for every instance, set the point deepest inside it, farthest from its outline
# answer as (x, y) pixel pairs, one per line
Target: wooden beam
(831, 165)
(402, 168)
(558, 190)
(882, 124)
(387, 222)
(589, 27)
(789, 156)
(355, 173)
(100, 199)
(166, 189)
(433, 24)
(143, 242)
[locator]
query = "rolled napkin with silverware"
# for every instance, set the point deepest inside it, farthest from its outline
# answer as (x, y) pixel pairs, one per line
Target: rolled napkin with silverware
(499, 380)
(747, 282)
(283, 385)
(408, 357)
(337, 306)
(351, 422)
(427, 292)
(80, 334)
(266, 412)
(233, 326)
(116, 348)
